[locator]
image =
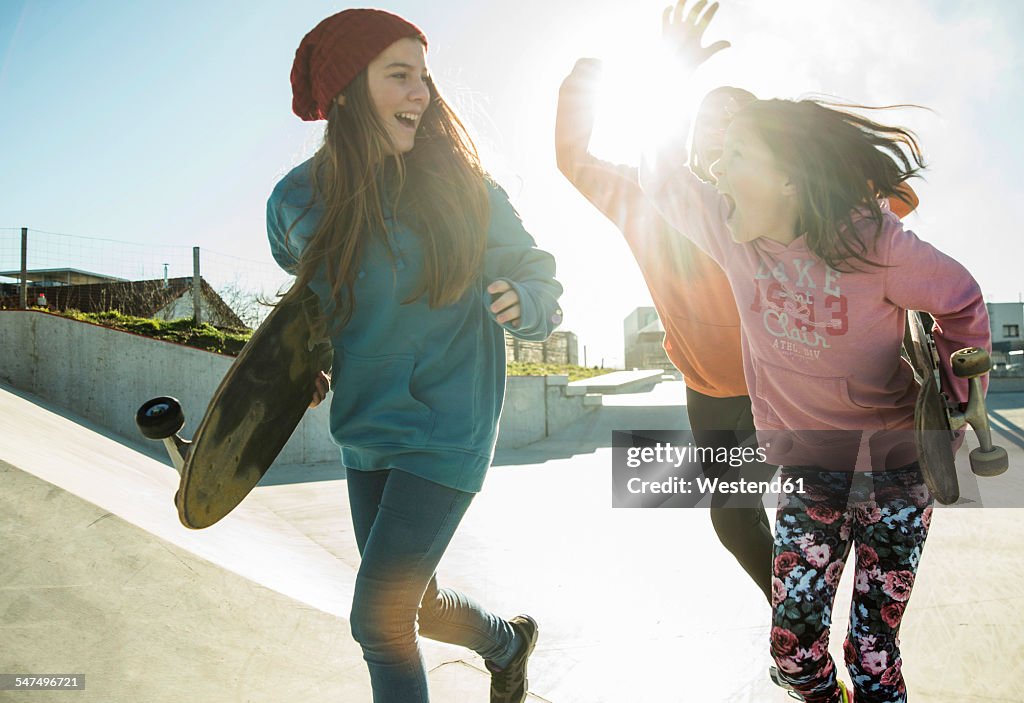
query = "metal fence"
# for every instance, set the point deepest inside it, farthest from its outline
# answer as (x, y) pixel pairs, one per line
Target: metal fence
(29, 256)
(38, 261)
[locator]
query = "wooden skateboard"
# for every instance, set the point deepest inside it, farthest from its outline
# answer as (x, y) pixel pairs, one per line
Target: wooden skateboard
(936, 419)
(254, 411)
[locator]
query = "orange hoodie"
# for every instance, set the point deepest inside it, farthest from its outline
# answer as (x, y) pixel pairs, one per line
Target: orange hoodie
(689, 290)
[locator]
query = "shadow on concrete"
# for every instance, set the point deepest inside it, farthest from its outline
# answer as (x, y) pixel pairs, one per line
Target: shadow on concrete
(1005, 424)
(594, 432)
(1002, 427)
(304, 473)
(585, 436)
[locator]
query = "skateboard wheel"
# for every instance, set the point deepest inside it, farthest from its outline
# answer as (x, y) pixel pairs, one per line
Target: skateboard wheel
(160, 418)
(970, 362)
(990, 463)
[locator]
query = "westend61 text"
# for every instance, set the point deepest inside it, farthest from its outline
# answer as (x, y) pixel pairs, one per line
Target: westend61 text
(706, 486)
(675, 455)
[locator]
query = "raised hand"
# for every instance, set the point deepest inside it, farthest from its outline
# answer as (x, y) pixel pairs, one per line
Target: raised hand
(683, 32)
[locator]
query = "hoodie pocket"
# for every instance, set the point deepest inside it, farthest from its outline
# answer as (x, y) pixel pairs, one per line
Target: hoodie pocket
(373, 402)
(800, 401)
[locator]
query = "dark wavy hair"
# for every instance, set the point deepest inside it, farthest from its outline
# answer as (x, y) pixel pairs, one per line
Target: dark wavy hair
(437, 189)
(841, 163)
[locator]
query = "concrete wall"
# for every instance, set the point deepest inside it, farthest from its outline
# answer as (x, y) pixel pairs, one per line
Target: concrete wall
(564, 404)
(539, 406)
(105, 375)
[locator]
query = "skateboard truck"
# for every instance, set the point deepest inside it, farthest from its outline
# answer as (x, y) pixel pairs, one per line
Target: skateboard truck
(937, 419)
(161, 419)
(987, 459)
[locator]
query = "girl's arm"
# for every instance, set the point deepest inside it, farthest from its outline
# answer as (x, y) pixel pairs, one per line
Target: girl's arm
(920, 277)
(693, 208)
(613, 189)
(689, 205)
(574, 118)
(513, 257)
(289, 207)
(283, 255)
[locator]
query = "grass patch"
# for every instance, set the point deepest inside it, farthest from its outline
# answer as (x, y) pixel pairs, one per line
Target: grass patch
(183, 331)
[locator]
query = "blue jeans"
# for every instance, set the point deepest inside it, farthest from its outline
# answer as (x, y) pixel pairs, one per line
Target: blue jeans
(403, 524)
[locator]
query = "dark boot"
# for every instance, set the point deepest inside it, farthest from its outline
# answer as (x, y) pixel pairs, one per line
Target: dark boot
(509, 685)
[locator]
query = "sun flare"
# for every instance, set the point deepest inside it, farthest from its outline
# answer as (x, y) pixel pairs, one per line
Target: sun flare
(643, 100)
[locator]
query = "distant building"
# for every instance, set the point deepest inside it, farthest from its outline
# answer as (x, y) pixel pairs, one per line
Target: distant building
(644, 339)
(560, 348)
(41, 278)
(69, 289)
(1007, 324)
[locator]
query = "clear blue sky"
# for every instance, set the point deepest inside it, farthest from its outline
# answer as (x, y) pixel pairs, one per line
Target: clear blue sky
(168, 123)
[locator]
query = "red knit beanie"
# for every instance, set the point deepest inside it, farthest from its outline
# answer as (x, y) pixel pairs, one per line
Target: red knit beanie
(334, 53)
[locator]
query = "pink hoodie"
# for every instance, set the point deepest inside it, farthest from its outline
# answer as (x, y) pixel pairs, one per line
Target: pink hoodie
(821, 348)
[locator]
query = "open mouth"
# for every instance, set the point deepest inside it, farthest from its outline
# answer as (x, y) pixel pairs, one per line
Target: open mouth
(409, 120)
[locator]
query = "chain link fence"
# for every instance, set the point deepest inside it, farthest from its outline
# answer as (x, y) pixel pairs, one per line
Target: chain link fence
(63, 271)
(52, 259)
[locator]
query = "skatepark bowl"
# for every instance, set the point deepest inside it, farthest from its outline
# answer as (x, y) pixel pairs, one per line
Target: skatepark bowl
(638, 605)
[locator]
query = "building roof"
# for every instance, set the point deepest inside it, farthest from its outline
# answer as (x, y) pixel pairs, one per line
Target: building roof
(66, 276)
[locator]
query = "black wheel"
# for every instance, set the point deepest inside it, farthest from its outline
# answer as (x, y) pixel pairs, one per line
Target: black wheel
(970, 362)
(160, 418)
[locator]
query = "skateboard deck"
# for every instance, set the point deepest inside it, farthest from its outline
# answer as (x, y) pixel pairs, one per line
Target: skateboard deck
(253, 412)
(933, 432)
(937, 419)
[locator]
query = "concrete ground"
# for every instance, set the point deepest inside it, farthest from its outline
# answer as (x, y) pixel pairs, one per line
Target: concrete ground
(97, 577)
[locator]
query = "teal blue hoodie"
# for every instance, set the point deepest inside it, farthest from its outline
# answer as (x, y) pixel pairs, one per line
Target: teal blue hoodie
(415, 388)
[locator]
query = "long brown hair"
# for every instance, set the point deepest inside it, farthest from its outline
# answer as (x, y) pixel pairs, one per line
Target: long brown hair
(437, 190)
(840, 162)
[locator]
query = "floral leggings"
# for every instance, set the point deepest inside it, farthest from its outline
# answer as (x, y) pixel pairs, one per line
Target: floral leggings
(886, 514)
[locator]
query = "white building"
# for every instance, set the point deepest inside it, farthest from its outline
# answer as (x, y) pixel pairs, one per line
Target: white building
(1007, 324)
(644, 339)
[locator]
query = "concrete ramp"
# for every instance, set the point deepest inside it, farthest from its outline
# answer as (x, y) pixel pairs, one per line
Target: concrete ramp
(643, 606)
(253, 542)
(86, 592)
(636, 381)
(99, 578)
